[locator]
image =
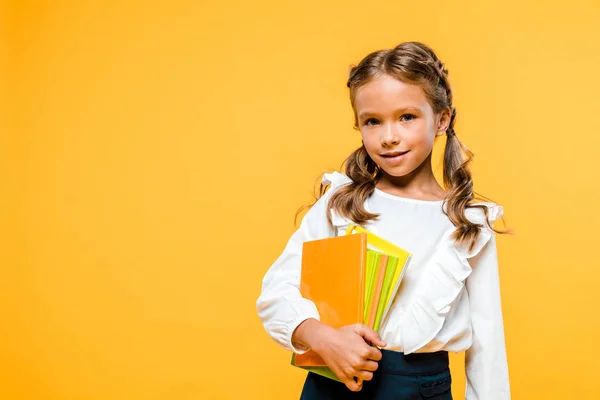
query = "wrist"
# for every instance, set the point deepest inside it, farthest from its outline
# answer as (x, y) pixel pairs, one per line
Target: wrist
(317, 334)
(309, 334)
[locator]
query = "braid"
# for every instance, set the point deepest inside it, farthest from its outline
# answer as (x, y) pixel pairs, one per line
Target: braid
(450, 131)
(443, 75)
(457, 174)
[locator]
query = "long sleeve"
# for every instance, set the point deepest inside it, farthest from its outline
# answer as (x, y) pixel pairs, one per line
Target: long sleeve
(485, 361)
(280, 305)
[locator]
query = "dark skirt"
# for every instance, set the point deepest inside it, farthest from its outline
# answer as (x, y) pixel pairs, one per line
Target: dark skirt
(414, 376)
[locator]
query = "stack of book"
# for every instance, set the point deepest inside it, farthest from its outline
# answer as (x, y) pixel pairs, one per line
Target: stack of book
(351, 279)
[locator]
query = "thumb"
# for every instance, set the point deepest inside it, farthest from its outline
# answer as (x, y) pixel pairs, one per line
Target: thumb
(370, 335)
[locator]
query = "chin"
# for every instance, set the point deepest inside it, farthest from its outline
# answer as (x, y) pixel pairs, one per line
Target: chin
(394, 172)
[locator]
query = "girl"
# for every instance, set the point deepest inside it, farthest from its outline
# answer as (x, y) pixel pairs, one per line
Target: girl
(450, 295)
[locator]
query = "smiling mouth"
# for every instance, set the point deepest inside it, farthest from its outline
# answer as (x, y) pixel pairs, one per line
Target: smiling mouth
(394, 154)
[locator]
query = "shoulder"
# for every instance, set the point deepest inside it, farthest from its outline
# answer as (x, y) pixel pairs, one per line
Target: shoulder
(332, 181)
(476, 213)
(335, 179)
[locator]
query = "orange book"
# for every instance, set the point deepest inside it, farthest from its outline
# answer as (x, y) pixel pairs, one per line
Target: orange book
(333, 277)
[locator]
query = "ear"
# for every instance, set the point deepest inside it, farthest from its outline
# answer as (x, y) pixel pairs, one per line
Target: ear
(443, 122)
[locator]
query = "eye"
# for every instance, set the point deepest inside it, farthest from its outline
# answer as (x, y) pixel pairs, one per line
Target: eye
(408, 115)
(369, 120)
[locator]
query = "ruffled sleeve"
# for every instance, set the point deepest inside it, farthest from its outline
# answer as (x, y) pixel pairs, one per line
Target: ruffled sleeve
(441, 283)
(280, 305)
(337, 180)
(477, 216)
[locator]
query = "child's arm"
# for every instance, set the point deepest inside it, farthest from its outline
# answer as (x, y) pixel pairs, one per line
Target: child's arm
(485, 362)
(280, 305)
(288, 317)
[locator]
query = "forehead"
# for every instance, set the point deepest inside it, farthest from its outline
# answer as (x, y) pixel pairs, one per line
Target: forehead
(386, 93)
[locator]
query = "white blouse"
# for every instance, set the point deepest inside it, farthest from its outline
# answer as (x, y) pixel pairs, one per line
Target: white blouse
(449, 298)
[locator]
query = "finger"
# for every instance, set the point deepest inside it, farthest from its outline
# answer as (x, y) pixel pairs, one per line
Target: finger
(374, 354)
(352, 384)
(370, 366)
(370, 335)
(363, 375)
(344, 375)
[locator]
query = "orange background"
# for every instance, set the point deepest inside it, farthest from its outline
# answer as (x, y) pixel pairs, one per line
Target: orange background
(153, 155)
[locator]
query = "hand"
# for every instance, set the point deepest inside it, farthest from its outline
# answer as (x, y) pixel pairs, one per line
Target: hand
(348, 353)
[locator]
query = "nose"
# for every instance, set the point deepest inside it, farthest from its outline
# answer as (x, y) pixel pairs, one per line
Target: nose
(390, 136)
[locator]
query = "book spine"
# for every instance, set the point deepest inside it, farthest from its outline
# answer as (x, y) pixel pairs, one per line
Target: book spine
(381, 269)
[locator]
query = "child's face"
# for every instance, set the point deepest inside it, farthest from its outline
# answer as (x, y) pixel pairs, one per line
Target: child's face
(397, 124)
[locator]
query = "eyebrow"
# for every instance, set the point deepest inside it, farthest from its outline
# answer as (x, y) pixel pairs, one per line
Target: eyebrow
(403, 109)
